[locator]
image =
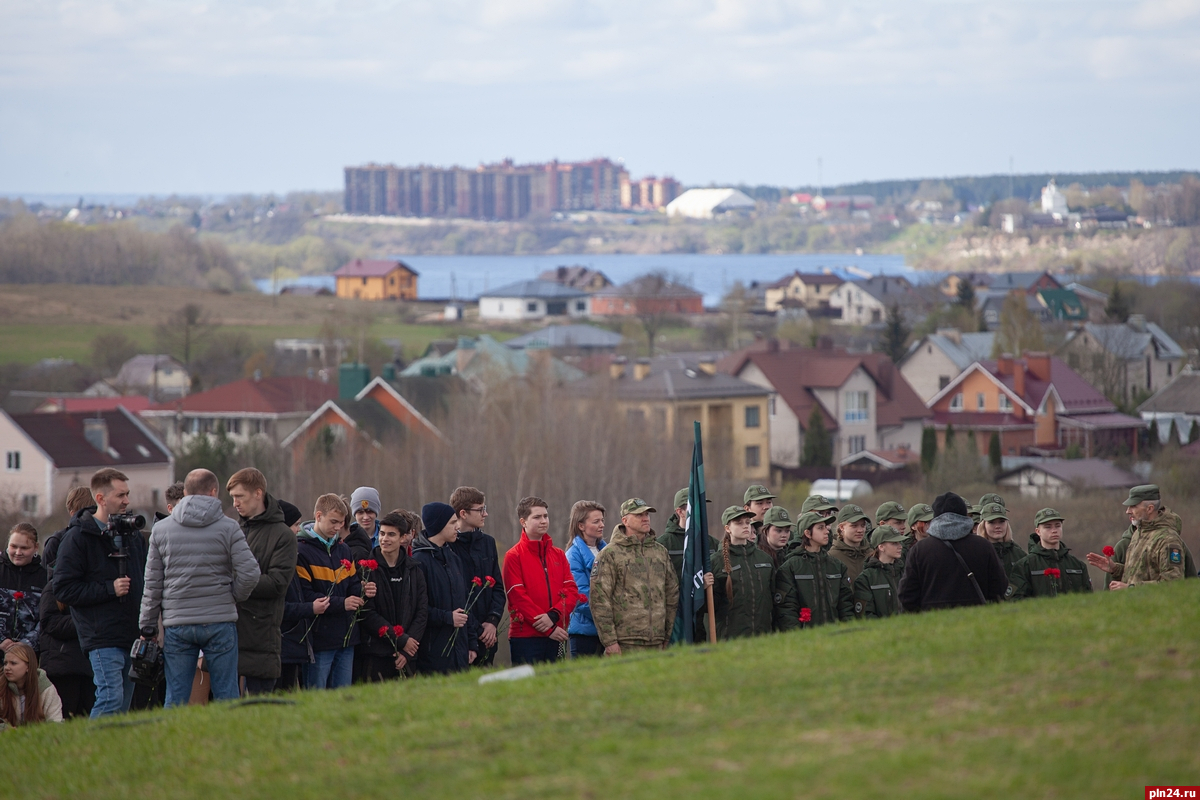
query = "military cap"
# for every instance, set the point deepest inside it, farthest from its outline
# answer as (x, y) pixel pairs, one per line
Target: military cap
(886, 533)
(777, 516)
(991, 511)
(991, 498)
(921, 512)
(757, 492)
(810, 518)
(1140, 494)
(973, 513)
(817, 503)
(681, 498)
(1047, 515)
(889, 510)
(636, 505)
(732, 513)
(851, 513)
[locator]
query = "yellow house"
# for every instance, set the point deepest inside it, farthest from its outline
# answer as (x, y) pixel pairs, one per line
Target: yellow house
(376, 279)
(812, 290)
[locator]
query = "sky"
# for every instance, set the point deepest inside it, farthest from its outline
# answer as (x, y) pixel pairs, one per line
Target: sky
(220, 96)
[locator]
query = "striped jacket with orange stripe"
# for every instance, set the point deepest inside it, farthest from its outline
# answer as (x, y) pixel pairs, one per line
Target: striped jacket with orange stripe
(321, 572)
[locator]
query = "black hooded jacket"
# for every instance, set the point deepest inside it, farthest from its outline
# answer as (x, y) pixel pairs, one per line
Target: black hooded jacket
(447, 590)
(401, 598)
(58, 643)
(934, 578)
(476, 551)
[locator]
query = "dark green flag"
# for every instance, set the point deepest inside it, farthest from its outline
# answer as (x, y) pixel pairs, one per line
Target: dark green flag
(695, 544)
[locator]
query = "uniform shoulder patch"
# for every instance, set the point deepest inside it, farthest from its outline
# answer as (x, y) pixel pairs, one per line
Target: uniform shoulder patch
(858, 607)
(1009, 591)
(1176, 556)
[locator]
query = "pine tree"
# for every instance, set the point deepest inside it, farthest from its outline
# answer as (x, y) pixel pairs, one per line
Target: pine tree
(895, 334)
(818, 444)
(1172, 434)
(1119, 306)
(1194, 433)
(966, 294)
(949, 436)
(928, 449)
(1152, 441)
(972, 444)
(994, 455)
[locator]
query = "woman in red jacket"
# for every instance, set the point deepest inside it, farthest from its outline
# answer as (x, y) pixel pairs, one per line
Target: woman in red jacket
(541, 592)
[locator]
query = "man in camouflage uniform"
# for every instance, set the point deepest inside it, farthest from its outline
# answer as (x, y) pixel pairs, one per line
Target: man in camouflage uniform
(1156, 552)
(635, 592)
(1122, 546)
(891, 513)
(674, 539)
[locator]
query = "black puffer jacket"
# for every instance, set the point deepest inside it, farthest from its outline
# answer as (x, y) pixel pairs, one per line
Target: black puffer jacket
(447, 590)
(60, 653)
(54, 540)
(400, 599)
(359, 542)
(83, 579)
(476, 551)
(20, 590)
(934, 578)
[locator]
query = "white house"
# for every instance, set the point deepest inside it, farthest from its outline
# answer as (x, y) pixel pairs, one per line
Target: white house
(533, 300)
(1178, 402)
(1053, 201)
(866, 302)
(159, 377)
(709, 203)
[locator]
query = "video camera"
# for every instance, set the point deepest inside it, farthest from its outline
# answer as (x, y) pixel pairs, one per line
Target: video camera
(119, 527)
(147, 666)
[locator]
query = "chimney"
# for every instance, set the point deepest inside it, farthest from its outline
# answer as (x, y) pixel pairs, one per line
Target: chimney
(1137, 322)
(1004, 364)
(1039, 365)
(772, 345)
(616, 368)
(1018, 373)
(708, 365)
(641, 369)
(96, 433)
(953, 334)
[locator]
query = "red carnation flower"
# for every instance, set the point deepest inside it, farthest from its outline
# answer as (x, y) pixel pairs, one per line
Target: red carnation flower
(18, 595)
(346, 564)
(806, 615)
(369, 563)
(477, 581)
(398, 630)
(490, 581)
(1053, 573)
(383, 632)
(1108, 551)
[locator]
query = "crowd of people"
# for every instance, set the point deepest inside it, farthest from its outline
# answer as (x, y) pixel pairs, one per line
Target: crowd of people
(270, 601)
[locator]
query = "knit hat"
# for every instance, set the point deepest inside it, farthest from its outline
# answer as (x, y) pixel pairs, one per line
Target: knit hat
(777, 516)
(434, 517)
(365, 499)
(1140, 494)
(889, 510)
(949, 503)
(732, 513)
(921, 512)
(886, 533)
(291, 514)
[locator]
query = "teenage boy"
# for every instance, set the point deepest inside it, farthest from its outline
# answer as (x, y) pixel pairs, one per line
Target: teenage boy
(476, 551)
(448, 592)
(541, 591)
(324, 570)
(1049, 570)
(893, 514)
(362, 534)
(757, 500)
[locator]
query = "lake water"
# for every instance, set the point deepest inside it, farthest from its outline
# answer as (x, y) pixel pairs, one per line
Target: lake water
(466, 277)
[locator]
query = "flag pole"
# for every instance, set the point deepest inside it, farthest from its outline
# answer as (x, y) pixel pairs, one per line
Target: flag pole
(712, 619)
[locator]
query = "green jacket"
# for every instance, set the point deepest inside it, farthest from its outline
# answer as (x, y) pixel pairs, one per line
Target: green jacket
(758, 605)
(259, 616)
(672, 539)
(1122, 546)
(1156, 553)
(853, 557)
(635, 592)
(1010, 553)
(820, 583)
(1028, 577)
(877, 589)
(1119, 551)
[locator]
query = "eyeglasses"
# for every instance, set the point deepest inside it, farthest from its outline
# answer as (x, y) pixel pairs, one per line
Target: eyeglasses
(479, 510)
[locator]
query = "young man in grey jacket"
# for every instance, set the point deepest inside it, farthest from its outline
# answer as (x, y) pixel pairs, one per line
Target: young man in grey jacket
(197, 570)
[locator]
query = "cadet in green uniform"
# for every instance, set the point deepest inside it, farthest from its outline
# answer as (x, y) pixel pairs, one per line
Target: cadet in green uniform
(757, 500)
(988, 499)
(891, 513)
(877, 589)
(1156, 552)
(746, 599)
(850, 546)
(1049, 570)
(998, 530)
(919, 517)
(818, 503)
(673, 540)
(776, 530)
(820, 583)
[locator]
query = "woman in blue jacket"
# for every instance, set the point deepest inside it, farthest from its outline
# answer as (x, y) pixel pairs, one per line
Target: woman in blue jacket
(587, 540)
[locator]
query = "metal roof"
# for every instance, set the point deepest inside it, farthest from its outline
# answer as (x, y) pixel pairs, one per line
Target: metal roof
(539, 289)
(581, 336)
(371, 268)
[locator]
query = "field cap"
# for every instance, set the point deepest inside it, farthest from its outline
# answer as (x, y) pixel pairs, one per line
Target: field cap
(734, 512)
(636, 505)
(681, 498)
(1140, 494)
(991, 498)
(886, 533)
(973, 513)
(757, 492)
(851, 513)
(921, 512)
(777, 516)
(810, 518)
(817, 503)
(1047, 515)
(992, 511)
(889, 510)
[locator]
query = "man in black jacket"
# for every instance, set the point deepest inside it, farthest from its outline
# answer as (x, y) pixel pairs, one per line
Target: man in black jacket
(103, 593)
(477, 552)
(951, 567)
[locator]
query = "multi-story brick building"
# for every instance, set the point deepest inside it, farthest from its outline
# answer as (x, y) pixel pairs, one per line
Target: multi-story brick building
(492, 191)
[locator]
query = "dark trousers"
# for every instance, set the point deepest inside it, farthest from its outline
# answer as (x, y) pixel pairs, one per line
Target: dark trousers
(488, 655)
(533, 650)
(77, 692)
(377, 669)
(582, 645)
(291, 677)
(258, 685)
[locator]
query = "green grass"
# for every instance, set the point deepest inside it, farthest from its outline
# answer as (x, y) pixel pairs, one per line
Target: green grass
(1091, 696)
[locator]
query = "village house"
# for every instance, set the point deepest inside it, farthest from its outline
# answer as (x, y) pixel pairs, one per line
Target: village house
(585, 279)
(938, 358)
(159, 377)
(376, 279)
(1057, 478)
(1124, 360)
(1178, 402)
(867, 301)
(811, 290)
(538, 299)
(649, 294)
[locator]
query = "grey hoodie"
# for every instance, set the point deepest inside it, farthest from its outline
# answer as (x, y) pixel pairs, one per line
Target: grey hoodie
(198, 567)
(951, 527)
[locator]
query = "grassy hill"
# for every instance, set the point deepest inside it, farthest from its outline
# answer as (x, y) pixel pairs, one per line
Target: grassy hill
(1077, 697)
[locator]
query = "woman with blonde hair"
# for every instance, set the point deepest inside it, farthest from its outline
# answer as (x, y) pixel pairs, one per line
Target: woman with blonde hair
(26, 694)
(996, 528)
(585, 537)
(22, 578)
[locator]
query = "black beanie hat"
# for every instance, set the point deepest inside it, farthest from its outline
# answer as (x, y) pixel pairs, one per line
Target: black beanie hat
(291, 514)
(949, 503)
(434, 517)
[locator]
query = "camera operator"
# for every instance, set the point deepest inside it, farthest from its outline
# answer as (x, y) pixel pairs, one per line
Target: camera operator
(99, 575)
(197, 570)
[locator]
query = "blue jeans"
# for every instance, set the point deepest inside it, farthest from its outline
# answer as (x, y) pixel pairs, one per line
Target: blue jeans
(331, 669)
(114, 687)
(181, 647)
(533, 650)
